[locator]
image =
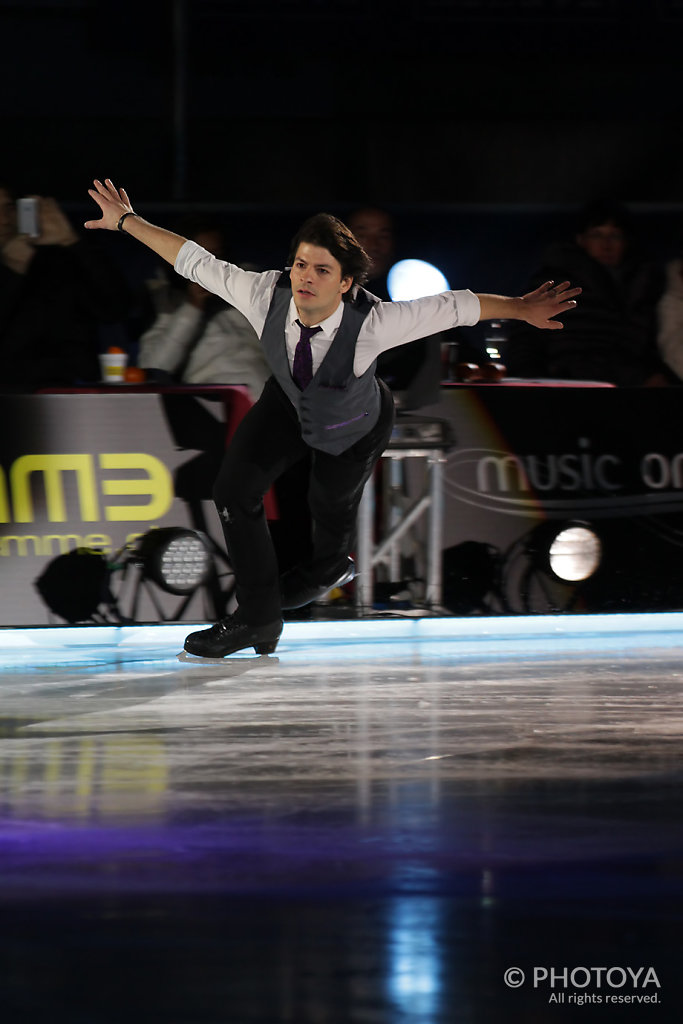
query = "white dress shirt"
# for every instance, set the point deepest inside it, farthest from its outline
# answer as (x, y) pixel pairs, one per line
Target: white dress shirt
(388, 324)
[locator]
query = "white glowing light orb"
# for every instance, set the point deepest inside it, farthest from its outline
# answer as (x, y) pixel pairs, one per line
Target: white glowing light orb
(575, 553)
(411, 279)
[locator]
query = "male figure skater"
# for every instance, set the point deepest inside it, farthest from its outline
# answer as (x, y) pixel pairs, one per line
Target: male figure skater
(321, 334)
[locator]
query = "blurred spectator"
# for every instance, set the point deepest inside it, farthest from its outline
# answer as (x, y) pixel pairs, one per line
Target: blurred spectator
(413, 371)
(55, 290)
(196, 337)
(670, 320)
(612, 334)
(374, 229)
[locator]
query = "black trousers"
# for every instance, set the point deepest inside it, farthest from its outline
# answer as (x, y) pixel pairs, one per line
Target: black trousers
(266, 443)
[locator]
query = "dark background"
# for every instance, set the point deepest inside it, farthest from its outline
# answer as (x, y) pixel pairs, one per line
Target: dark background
(481, 123)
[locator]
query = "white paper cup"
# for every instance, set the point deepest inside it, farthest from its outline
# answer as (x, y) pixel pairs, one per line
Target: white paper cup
(112, 365)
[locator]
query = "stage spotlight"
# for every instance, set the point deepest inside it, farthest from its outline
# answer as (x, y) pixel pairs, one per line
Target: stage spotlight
(570, 551)
(471, 572)
(176, 559)
(412, 279)
(75, 584)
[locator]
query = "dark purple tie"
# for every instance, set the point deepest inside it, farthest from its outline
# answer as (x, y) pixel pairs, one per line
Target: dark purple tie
(302, 370)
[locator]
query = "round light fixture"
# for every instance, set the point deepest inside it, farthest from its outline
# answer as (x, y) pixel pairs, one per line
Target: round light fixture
(574, 553)
(75, 584)
(413, 279)
(176, 559)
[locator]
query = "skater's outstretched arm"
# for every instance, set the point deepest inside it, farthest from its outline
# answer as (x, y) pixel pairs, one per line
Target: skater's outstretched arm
(118, 214)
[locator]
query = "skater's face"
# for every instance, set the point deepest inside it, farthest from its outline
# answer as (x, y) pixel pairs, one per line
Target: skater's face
(318, 283)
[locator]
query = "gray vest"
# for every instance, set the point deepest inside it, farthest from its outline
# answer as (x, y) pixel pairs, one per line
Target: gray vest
(337, 408)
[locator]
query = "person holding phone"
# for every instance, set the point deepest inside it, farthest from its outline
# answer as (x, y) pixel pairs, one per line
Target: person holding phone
(321, 334)
(55, 289)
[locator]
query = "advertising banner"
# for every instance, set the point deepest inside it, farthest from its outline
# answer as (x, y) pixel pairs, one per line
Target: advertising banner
(98, 471)
(529, 459)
